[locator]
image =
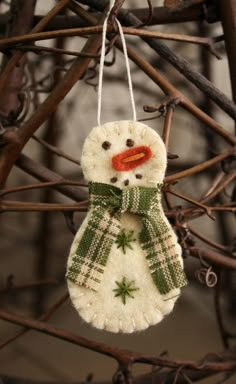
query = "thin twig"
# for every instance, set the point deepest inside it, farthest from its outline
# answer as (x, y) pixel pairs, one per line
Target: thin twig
(213, 257)
(7, 42)
(206, 240)
(42, 173)
(227, 180)
(194, 202)
(40, 49)
(167, 126)
(12, 287)
(57, 151)
(44, 317)
(20, 206)
(48, 184)
(200, 167)
(124, 357)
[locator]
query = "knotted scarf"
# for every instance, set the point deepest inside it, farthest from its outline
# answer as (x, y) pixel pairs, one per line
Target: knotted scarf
(107, 204)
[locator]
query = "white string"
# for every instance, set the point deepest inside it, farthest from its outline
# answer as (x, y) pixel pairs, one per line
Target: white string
(101, 67)
(112, 3)
(128, 70)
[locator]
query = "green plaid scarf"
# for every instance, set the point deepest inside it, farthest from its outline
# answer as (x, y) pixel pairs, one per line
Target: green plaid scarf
(107, 204)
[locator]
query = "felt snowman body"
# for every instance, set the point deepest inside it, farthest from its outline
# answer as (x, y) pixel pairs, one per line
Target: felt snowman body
(124, 154)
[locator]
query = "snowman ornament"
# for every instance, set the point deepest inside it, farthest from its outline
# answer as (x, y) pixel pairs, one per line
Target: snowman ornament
(125, 268)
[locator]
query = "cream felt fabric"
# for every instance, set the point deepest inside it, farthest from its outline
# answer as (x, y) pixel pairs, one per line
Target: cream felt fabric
(147, 307)
(96, 162)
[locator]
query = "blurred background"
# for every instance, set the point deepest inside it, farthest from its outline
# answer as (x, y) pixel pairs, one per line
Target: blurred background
(35, 245)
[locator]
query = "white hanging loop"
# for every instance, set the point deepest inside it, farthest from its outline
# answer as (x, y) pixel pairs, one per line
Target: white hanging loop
(101, 67)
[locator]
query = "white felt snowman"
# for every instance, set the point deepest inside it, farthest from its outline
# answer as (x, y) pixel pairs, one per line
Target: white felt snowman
(125, 296)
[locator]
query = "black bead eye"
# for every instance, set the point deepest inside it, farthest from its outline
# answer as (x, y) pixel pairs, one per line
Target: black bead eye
(106, 145)
(113, 180)
(130, 143)
(138, 176)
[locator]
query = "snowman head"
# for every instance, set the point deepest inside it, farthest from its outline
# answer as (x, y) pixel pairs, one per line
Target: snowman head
(124, 154)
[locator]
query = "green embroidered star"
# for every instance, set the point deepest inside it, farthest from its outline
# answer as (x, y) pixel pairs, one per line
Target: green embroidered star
(125, 289)
(124, 239)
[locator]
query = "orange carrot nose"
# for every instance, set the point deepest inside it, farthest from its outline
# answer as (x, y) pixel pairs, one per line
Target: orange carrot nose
(131, 158)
